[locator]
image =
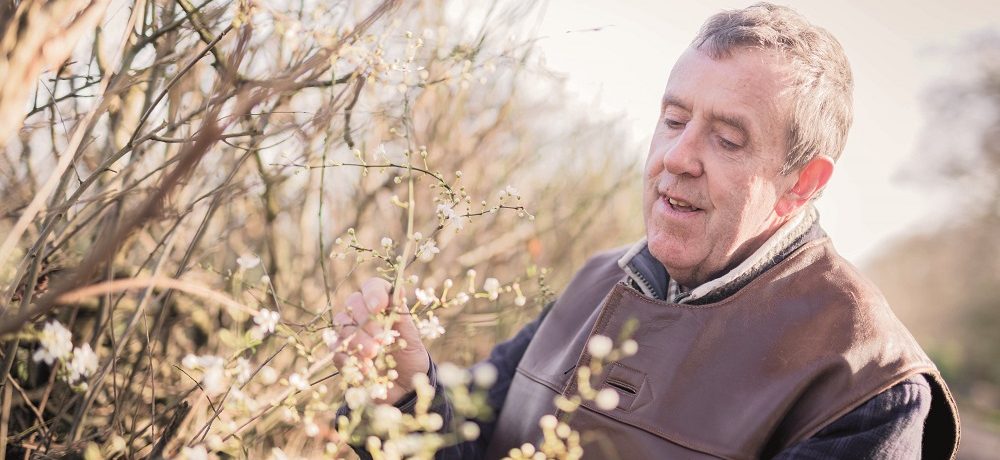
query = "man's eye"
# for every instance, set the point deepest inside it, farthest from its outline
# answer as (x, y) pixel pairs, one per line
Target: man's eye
(672, 124)
(728, 145)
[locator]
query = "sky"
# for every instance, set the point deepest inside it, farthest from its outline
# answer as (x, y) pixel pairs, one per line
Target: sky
(616, 57)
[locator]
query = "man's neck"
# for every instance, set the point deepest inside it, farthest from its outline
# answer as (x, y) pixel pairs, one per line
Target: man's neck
(653, 280)
(759, 260)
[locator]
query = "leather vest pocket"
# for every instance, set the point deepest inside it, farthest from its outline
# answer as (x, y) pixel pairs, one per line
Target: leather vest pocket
(630, 385)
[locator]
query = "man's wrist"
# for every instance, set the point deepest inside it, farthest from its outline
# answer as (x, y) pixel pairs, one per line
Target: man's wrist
(403, 392)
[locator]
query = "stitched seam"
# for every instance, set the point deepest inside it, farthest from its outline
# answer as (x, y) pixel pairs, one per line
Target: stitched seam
(822, 421)
(538, 380)
(608, 310)
(683, 443)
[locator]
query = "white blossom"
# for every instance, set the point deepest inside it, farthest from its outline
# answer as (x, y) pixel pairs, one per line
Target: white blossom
(606, 399)
(311, 429)
(425, 296)
(386, 242)
(520, 300)
(451, 375)
(56, 342)
(298, 382)
(266, 320)
(484, 375)
(355, 397)
(194, 453)
(548, 422)
(268, 375)
(378, 391)
(599, 346)
(83, 365)
(508, 191)
(330, 338)
(427, 251)
(386, 418)
(461, 298)
(213, 377)
(190, 361)
(386, 337)
(430, 328)
(470, 431)
(350, 371)
(243, 370)
(450, 216)
(492, 287)
(248, 261)
(213, 380)
(433, 422)
(630, 347)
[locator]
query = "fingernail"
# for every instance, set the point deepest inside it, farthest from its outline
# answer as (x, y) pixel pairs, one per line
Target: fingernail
(372, 303)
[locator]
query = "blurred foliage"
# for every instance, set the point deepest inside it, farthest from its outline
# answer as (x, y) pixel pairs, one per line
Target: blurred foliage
(944, 282)
(230, 130)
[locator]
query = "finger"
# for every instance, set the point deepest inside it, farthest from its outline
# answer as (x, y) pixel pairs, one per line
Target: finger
(376, 294)
(361, 344)
(408, 331)
(345, 335)
(339, 359)
(342, 319)
(357, 309)
(373, 329)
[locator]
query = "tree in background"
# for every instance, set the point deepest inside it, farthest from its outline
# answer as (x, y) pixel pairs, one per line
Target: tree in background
(945, 281)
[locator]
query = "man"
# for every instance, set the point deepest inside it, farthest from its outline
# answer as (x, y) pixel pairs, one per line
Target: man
(755, 338)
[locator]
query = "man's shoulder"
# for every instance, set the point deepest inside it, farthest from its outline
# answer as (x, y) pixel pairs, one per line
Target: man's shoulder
(604, 262)
(820, 265)
(609, 256)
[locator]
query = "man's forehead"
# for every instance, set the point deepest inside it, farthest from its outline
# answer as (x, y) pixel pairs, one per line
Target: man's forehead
(734, 88)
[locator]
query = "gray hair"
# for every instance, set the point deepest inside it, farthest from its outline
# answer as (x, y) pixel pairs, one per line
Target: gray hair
(822, 81)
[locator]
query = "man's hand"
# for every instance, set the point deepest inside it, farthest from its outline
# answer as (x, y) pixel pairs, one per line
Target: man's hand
(364, 334)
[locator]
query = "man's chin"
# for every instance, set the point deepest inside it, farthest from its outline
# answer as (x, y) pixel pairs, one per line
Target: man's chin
(672, 255)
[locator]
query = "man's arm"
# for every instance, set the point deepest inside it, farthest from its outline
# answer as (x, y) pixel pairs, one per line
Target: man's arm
(888, 426)
(505, 358)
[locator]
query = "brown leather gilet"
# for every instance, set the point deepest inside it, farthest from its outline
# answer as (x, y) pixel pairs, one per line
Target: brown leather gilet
(804, 343)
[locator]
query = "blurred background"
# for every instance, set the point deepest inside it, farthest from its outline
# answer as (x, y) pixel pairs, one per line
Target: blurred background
(265, 151)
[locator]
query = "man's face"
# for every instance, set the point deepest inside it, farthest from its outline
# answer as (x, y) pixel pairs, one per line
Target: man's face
(713, 175)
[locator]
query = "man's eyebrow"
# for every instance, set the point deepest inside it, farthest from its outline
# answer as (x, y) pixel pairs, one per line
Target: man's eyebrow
(735, 121)
(670, 99)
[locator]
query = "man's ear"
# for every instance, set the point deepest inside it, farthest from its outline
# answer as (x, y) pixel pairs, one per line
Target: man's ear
(812, 177)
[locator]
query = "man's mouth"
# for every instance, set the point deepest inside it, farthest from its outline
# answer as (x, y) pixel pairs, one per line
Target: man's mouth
(682, 206)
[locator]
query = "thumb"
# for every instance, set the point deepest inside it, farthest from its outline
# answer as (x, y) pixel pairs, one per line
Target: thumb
(405, 324)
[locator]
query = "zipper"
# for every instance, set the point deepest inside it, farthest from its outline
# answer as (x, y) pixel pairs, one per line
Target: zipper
(644, 285)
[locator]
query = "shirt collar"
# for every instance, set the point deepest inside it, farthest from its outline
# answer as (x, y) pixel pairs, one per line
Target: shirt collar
(649, 276)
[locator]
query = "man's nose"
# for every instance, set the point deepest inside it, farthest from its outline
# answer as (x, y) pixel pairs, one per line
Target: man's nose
(684, 156)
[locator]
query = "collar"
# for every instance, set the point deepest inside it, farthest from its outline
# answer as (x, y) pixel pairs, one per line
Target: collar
(649, 276)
